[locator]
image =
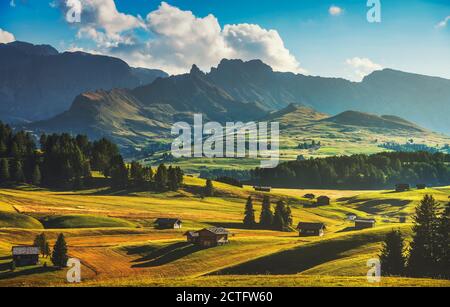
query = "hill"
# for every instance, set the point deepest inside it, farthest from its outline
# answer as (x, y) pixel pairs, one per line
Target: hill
(152, 257)
(38, 82)
(359, 119)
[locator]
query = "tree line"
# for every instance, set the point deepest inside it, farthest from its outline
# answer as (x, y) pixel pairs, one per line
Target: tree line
(280, 219)
(64, 161)
(378, 171)
(429, 251)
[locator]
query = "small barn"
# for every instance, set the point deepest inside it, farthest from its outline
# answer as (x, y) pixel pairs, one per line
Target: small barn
(208, 237)
(402, 219)
(323, 201)
(25, 255)
(402, 187)
(421, 186)
(192, 237)
(364, 223)
(311, 229)
(351, 216)
(262, 189)
(309, 196)
(168, 223)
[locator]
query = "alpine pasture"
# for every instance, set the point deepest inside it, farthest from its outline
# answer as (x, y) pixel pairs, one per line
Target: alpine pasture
(113, 235)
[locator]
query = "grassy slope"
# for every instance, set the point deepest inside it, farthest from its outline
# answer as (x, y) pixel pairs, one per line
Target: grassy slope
(84, 221)
(145, 256)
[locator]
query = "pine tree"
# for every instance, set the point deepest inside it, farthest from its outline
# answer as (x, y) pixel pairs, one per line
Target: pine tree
(392, 256)
(4, 171)
(279, 222)
(18, 175)
(47, 250)
(172, 179)
(41, 242)
(249, 214)
(422, 258)
(161, 178)
(119, 173)
(443, 237)
(209, 188)
(36, 178)
(288, 217)
(266, 218)
(59, 255)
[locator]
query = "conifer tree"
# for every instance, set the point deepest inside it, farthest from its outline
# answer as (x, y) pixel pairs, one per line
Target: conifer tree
(172, 179)
(288, 217)
(443, 237)
(249, 214)
(4, 171)
(36, 178)
(266, 218)
(423, 250)
(209, 188)
(41, 242)
(279, 222)
(392, 256)
(59, 255)
(119, 173)
(161, 178)
(18, 175)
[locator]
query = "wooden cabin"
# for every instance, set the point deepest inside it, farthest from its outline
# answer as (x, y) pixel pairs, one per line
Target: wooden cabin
(168, 223)
(262, 189)
(402, 219)
(208, 237)
(323, 201)
(351, 216)
(192, 237)
(364, 223)
(309, 196)
(402, 187)
(421, 186)
(311, 229)
(25, 255)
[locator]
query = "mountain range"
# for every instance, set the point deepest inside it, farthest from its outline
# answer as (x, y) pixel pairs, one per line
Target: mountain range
(132, 105)
(37, 82)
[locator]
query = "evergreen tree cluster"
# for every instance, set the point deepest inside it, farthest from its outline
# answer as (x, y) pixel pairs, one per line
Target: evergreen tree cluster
(377, 171)
(280, 220)
(64, 161)
(429, 251)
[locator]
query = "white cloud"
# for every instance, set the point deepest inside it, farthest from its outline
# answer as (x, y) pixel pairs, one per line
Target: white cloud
(6, 37)
(335, 10)
(178, 39)
(443, 23)
(100, 21)
(361, 67)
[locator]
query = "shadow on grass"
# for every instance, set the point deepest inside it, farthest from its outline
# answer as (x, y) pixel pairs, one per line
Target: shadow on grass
(158, 257)
(26, 272)
(371, 205)
(302, 258)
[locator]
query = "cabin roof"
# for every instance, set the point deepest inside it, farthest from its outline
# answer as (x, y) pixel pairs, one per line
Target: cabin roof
(217, 230)
(167, 221)
(311, 226)
(191, 233)
(25, 250)
(365, 221)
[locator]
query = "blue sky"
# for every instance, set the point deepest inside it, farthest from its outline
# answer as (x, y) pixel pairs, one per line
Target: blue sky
(313, 40)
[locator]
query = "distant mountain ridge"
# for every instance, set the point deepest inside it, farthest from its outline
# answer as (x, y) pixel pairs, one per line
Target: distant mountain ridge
(38, 82)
